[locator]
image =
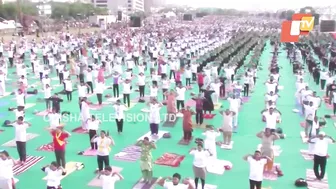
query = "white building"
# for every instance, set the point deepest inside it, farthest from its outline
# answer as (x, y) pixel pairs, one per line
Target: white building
(114, 6)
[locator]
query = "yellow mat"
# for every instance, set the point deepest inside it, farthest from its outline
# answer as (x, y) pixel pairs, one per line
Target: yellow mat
(218, 106)
(70, 167)
(195, 126)
(6, 94)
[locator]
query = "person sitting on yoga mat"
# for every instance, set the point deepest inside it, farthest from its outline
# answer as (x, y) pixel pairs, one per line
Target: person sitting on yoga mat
(174, 182)
(109, 178)
(54, 175)
(257, 163)
(104, 143)
(59, 141)
(6, 174)
(201, 157)
(146, 163)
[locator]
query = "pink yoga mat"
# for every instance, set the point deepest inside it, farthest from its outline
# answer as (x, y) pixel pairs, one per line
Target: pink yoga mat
(329, 106)
(42, 113)
(90, 152)
(190, 103)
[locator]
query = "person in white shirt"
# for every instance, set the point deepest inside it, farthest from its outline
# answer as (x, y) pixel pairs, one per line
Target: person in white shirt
(20, 99)
(54, 175)
(54, 119)
(141, 83)
(104, 143)
(127, 87)
(89, 78)
(21, 137)
(309, 113)
(93, 126)
(153, 91)
(201, 157)
(271, 97)
(174, 182)
(235, 104)
(321, 143)
(154, 116)
(227, 125)
(109, 178)
(119, 110)
(216, 88)
(257, 164)
(271, 85)
(271, 118)
(180, 90)
(68, 88)
(85, 112)
(210, 142)
(47, 95)
(188, 76)
(324, 75)
(2, 83)
(6, 171)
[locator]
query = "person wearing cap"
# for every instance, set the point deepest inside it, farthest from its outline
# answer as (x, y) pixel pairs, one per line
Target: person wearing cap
(321, 143)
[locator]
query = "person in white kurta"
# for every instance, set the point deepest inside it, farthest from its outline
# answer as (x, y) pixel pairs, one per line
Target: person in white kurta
(154, 116)
(85, 112)
(210, 142)
(313, 133)
(2, 83)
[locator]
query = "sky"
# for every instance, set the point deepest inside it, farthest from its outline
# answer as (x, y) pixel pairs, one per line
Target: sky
(254, 4)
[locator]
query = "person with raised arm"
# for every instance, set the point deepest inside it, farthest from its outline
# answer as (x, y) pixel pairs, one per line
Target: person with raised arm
(174, 182)
(54, 174)
(146, 164)
(104, 143)
(201, 157)
(257, 163)
(109, 178)
(7, 163)
(21, 137)
(60, 136)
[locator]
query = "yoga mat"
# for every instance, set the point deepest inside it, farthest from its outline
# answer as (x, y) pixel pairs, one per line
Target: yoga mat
(303, 137)
(206, 186)
(30, 161)
(272, 175)
(185, 143)
(217, 106)
(12, 143)
(5, 95)
(46, 147)
(141, 185)
(42, 113)
(96, 106)
(245, 99)
(70, 167)
(146, 110)
(313, 183)
(170, 121)
(153, 138)
(29, 105)
(276, 150)
(97, 182)
(89, 152)
(227, 147)
(80, 130)
(195, 126)
(305, 154)
(209, 116)
(190, 103)
(218, 167)
(132, 104)
(130, 154)
(170, 159)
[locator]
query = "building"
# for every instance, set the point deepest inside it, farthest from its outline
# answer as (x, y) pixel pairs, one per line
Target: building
(135, 6)
(127, 6)
(153, 4)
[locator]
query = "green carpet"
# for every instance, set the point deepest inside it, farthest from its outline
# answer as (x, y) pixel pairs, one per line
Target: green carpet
(245, 141)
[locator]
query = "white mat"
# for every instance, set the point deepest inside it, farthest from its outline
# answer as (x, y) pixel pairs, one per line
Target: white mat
(151, 138)
(6, 94)
(313, 183)
(70, 167)
(303, 137)
(217, 166)
(228, 147)
(296, 110)
(55, 79)
(280, 87)
(276, 150)
(29, 105)
(306, 155)
(12, 143)
(146, 110)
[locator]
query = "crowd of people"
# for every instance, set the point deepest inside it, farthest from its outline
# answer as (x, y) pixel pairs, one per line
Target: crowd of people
(166, 60)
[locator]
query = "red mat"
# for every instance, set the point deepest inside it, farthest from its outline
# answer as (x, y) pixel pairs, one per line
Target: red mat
(79, 130)
(209, 116)
(46, 147)
(170, 159)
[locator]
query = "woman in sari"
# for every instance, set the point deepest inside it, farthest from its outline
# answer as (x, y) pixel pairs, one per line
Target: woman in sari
(146, 164)
(171, 102)
(73, 68)
(101, 75)
(267, 139)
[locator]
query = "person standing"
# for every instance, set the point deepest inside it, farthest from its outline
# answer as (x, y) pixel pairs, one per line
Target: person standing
(54, 175)
(257, 163)
(321, 142)
(68, 88)
(21, 137)
(146, 159)
(267, 141)
(174, 182)
(99, 89)
(119, 110)
(93, 126)
(85, 112)
(59, 141)
(199, 164)
(104, 143)
(199, 108)
(227, 125)
(6, 173)
(210, 143)
(187, 124)
(154, 116)
(109, 178)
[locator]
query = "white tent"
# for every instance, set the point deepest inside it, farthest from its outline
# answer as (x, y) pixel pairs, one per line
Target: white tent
(170, 14)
